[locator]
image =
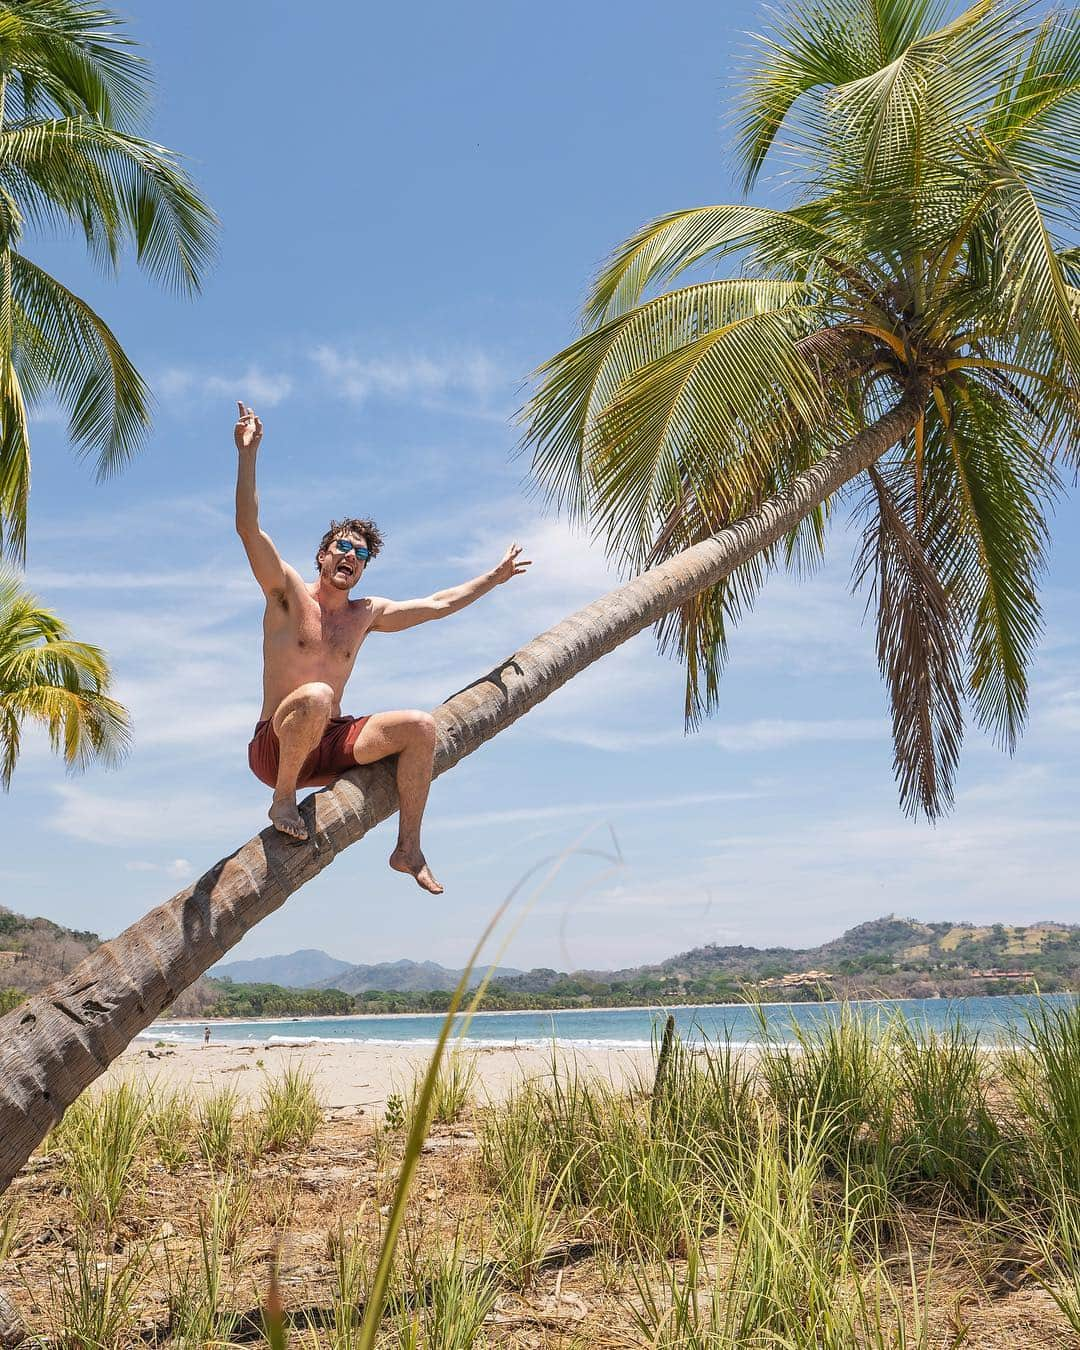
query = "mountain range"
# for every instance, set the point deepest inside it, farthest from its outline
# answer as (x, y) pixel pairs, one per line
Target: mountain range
(890, 956)
(311, 969)
(889, 950)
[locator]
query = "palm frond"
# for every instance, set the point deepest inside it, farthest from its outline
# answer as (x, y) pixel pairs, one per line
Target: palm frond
(49, 678)
(73, 58)
(664, 248)
(697, 635)
(71, 350)
(909, 112)
(818, 47)
(583, 381)
(116, 186)
(986, 477)
(1036, 112)
(919, 643)
(1039, 306)
(14, 430)
(702, 412)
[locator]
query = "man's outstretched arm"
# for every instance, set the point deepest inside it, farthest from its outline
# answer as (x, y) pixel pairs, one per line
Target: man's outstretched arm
(391, 616)
(262, 555)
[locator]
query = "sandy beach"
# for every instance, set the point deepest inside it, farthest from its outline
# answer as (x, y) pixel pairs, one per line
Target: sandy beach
(353, 1077)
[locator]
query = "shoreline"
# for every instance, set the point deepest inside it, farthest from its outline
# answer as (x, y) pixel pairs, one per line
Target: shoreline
(661, 1010)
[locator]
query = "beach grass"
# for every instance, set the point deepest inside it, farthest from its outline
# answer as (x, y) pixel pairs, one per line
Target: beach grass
(870, 1184)
(291, 1111)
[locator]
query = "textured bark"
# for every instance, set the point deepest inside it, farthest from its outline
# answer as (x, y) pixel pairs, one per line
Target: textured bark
(59, 1040)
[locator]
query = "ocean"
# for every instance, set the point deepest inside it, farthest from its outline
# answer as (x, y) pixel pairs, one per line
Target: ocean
(991, 1018)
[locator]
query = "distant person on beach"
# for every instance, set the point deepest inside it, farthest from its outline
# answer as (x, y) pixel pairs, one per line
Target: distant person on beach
(312, 632)
(206, 1036)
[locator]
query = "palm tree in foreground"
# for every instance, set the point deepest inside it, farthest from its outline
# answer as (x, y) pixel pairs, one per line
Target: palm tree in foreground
(72, 92)
(49, 679)
(916, 308)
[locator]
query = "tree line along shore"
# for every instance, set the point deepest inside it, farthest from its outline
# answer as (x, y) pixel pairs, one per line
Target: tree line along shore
(890, 957)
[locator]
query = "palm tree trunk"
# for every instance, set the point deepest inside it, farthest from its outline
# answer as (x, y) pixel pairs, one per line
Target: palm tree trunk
(59, 1040)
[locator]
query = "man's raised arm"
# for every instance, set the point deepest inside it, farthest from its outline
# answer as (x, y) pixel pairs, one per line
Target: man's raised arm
(262, 555)
(391, 616)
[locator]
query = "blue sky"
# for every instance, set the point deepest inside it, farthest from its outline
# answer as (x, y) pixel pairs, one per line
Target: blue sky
(413, 200)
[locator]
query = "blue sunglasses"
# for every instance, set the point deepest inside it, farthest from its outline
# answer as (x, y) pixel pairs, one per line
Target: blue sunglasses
(343, 546)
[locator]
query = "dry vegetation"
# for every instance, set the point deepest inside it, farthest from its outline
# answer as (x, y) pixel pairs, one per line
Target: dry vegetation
(871, 1187)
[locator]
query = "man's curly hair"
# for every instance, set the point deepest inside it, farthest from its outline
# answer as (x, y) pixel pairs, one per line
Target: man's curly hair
(339, 528)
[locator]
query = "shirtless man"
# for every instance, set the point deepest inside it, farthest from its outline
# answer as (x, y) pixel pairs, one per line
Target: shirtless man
(312, 632)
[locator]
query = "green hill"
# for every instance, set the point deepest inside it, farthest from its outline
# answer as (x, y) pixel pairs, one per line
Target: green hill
(889, 957)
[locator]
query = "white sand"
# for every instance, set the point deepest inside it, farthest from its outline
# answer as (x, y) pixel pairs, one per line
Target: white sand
(351, 1076)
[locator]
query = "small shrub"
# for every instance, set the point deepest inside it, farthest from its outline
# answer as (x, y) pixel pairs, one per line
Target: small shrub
(99, 1140)
(951, 1145)
(291, 1112)
(216, 1119)
(525, 1221)
(1045, 1077)
(170, 1125)
(92, 1298)
(458, 1297)
(453, 1087)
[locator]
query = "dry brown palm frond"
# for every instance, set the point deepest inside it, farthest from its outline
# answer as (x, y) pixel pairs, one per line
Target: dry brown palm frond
(919, 643)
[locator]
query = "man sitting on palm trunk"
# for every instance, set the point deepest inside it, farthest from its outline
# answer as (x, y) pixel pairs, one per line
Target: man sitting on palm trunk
(312, 631)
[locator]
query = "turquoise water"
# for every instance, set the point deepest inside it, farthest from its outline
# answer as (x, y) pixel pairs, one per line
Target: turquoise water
(612, 1027)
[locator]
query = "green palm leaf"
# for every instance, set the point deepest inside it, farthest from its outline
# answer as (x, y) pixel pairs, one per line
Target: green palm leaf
(669, 246)
(48, 678)
(1036, 113)
(819, 48)
(987, 480)
(72, 93)
(71, 351)
(699, 411)
(117, 187)
(73, 59)
(584, 382)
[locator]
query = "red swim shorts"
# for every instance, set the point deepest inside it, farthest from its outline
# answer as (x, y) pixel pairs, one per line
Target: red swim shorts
(331, 757)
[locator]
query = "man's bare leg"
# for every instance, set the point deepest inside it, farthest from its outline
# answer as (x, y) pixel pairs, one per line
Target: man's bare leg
(411, 736)
(299, 723)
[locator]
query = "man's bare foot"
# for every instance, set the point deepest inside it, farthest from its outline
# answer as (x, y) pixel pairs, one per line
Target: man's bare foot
(285, 818)
(415, 864)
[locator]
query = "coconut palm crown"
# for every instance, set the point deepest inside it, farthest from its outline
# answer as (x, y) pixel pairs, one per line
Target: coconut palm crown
(62, 685)
(926, 254)
(72, 92)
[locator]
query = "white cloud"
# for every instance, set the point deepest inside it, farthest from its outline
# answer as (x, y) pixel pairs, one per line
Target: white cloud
(462, 381)
(258, 387)
(761, 734)
(778, 733)
(179, 869)
(158, 814)
(583, 811)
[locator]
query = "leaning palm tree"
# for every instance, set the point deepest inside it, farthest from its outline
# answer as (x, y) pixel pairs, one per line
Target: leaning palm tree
(726, 418)
(932, 173)
(72, 93)
(48, 679)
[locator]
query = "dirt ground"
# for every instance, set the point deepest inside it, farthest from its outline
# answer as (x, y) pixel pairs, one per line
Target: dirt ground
(982, 1294)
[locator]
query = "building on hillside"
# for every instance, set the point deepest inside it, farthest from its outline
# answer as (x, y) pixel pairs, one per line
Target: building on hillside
(796, 980)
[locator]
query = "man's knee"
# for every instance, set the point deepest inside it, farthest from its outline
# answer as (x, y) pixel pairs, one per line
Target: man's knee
(419, 726)
(315, 700)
